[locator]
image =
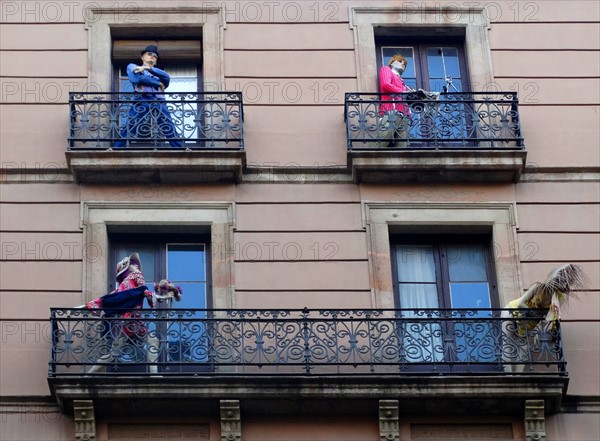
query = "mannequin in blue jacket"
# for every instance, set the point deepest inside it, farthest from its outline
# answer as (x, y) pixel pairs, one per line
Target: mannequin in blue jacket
(149, 109)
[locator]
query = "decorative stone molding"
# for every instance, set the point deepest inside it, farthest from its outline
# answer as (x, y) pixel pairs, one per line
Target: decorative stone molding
(389, 422)
(535, 420)
(473, 20)
(497, 217)
(85, 422)
(231, 420)
(218, 217)
(101, 21)
(40, 409)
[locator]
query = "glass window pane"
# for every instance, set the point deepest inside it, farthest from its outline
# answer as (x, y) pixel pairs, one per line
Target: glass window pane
(437, 85)
(186, 262)
(187, 338)
(466, 263)
(147, 258)
(184, 79)
(125, 85)
(415, 263)
(443, 64)
(418, 296)
(183, 71)
(194, 296)
(476, 341)
(421, 339)
(186, 266)
(409, 76)
(443, 61)
(470, 295)
(146, 252)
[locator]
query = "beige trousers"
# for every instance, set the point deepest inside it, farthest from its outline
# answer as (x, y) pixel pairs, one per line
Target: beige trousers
(391, 126)
(117, 349)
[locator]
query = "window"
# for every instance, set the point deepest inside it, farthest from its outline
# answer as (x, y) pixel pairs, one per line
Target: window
(181, 59)
(431, 228)
(436, 65)
(494, 220)
(179, 229)
(445, 273)
(104, 221)
(184, 260)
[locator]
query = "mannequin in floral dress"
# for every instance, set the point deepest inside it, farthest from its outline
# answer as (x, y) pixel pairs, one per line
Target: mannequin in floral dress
(125, 302)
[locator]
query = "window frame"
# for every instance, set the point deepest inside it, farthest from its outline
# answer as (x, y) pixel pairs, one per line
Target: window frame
(165, 62)
(420, 45)
(440, 243)
(160, 241)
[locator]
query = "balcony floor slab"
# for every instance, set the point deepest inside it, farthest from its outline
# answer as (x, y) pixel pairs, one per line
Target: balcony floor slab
(164, 166)
(392, 165)
(417, 393)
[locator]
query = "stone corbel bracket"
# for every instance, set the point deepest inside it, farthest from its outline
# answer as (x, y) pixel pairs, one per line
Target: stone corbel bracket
(85, 421)
(389, 421)
(231, 420)
(535, 420)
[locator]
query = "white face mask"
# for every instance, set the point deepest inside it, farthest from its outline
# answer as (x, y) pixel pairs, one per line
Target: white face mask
(398, 66)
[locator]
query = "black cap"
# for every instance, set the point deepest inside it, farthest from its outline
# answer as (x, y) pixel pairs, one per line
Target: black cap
(151, 48)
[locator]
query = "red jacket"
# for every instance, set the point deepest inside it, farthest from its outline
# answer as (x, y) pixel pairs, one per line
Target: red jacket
(131, 328)
(391, 83)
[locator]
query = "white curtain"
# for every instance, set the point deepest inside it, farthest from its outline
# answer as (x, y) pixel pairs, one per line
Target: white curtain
(184, 79)
(416, 275)
(422, 338)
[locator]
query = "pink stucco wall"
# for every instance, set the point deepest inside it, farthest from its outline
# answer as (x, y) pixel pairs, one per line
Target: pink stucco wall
(547, 50)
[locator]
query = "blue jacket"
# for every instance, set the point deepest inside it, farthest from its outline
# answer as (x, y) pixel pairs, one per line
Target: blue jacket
(148, 80)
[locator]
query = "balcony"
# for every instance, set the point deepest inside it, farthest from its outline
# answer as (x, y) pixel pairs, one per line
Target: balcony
(458, 356)
(450, 137)
(143, 138)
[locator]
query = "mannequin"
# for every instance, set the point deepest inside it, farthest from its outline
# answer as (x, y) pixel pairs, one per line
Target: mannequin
(395, 116)
(125, 302)
(149, 82)
(550, 294)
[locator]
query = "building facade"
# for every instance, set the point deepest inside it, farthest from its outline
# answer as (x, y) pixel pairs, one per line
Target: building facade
(343, 277)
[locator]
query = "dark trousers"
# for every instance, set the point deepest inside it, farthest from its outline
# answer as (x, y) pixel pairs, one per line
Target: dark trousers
(148, 119)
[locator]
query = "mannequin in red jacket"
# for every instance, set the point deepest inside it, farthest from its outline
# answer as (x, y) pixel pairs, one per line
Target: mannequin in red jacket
(394, 114)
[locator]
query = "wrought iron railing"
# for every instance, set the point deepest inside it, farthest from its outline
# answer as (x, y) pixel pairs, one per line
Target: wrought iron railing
(433, 121)
(301, 342)
(186, 120)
